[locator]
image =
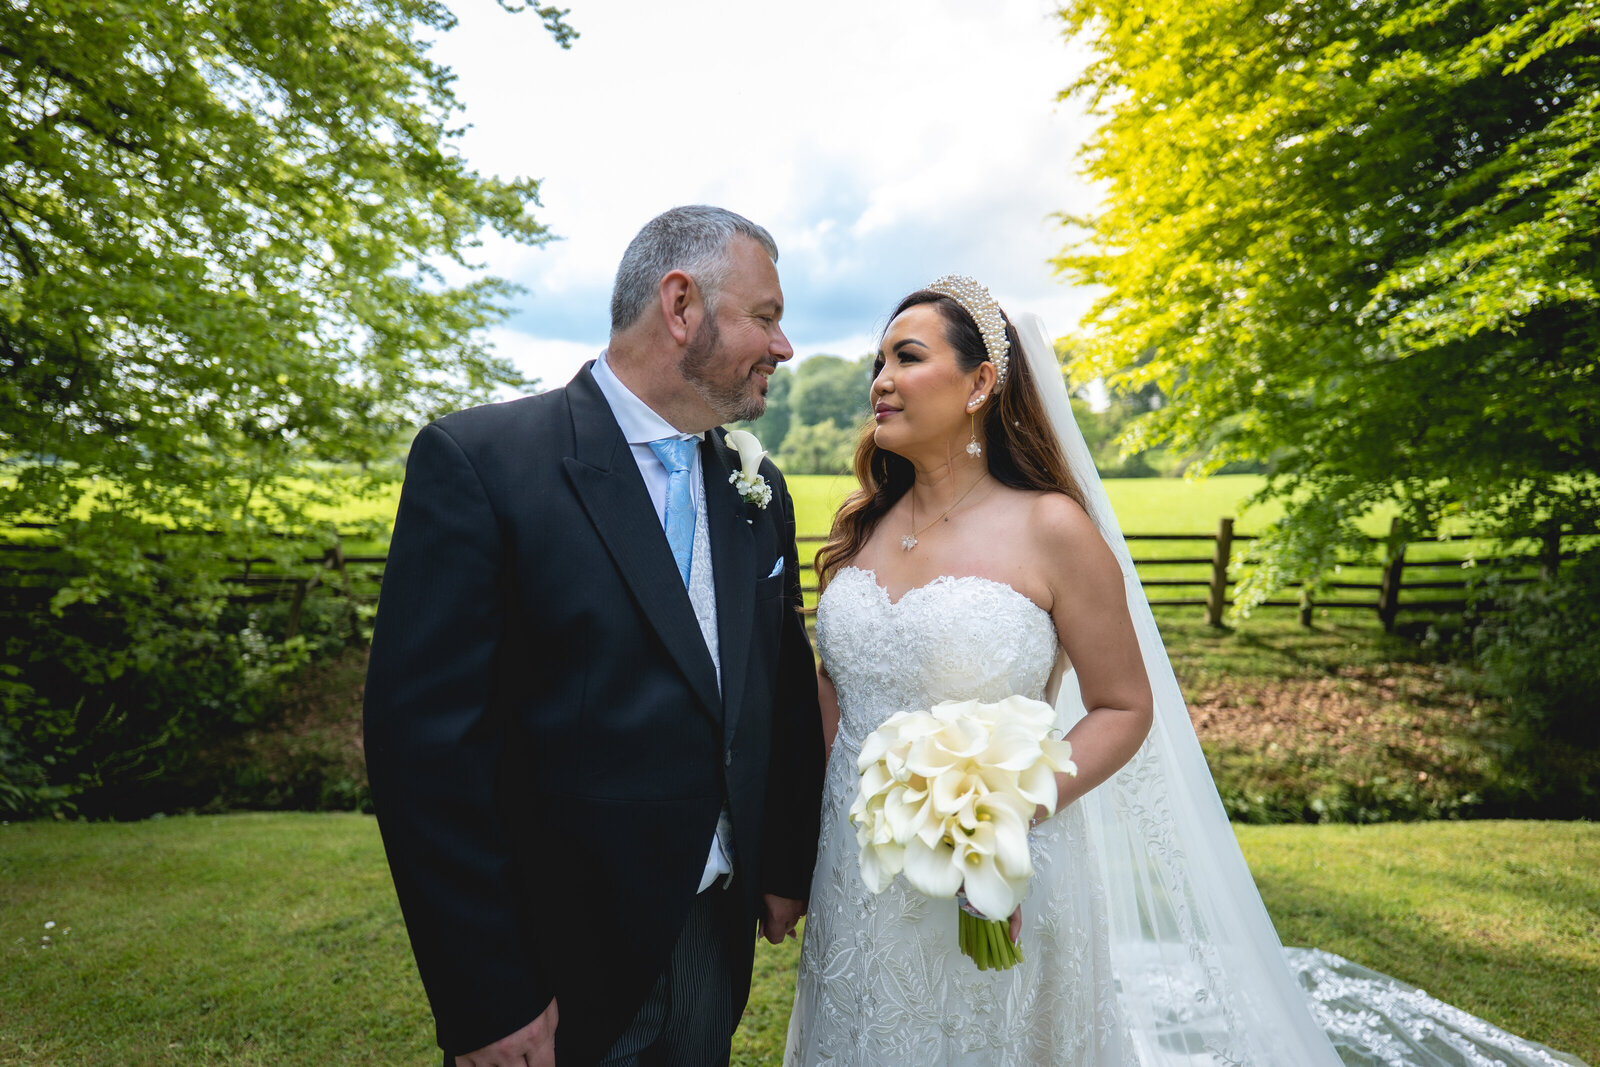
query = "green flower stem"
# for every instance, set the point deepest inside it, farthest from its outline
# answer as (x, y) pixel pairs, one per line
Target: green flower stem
(987, 942)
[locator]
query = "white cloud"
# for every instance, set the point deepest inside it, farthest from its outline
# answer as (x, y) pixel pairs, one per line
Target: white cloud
(882, 143)
(552, 362)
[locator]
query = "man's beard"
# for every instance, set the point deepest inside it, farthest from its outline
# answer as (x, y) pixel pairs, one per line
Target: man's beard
(733, 402)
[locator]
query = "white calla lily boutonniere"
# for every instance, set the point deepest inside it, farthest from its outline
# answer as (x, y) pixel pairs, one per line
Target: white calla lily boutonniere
(748, 481)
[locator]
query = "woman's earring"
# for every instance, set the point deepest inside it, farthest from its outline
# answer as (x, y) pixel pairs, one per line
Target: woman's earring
(974, 449)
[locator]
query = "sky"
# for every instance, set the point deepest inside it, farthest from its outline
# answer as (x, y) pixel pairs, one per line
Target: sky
(882, 142)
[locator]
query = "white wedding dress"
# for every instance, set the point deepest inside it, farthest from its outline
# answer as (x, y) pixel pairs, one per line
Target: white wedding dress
(881, 980)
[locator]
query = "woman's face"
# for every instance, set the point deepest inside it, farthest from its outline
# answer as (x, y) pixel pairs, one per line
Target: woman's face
(920, 393)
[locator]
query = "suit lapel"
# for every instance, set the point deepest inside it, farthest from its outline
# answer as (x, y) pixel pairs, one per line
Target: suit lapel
(733, 558)
(608, 485)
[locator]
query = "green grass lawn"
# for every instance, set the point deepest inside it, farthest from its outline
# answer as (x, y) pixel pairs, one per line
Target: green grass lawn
(1143, 505)
(275, 939)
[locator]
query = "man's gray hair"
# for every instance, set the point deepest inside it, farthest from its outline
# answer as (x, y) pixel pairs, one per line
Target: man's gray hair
(693, 239)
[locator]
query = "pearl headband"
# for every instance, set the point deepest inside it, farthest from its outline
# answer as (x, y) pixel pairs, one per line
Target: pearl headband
(976, 301)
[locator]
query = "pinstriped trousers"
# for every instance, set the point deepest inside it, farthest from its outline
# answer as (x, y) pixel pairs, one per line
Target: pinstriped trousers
(689, 1018)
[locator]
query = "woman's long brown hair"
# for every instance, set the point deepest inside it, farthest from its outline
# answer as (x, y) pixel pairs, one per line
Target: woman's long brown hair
(1020, 445)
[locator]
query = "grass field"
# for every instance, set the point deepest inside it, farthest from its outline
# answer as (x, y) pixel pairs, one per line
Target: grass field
(1143, 505)
(275, 941)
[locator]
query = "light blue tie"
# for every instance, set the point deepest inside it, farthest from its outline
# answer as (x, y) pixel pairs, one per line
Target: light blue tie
(676, 455)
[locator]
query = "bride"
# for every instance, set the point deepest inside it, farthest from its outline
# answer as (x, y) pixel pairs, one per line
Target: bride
(979, 559)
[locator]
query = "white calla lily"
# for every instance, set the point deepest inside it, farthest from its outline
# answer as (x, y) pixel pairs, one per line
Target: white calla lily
(875, 779)
(1013, 747)
(1010, 839)
(1035, 714)
(954, 791)
(929, 758)
(906, 811)
(1038, 784)
(1059, 755)
(958, 711)
(879, 865)
(750, 451)
(933, 869)
(747, 480)
(987, 889)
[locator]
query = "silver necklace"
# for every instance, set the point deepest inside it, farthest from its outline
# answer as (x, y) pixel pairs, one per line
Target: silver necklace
(909, 541)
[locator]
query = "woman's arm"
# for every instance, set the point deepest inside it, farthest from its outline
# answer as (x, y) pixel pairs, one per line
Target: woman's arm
(1090, 609)
(829, 700)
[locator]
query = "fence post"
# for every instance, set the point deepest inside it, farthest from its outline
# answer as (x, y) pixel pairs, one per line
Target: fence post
(1217, 600)
(296, 605)
(1307, 602)
(1550, 556)
(334, 558)
(1393, 576)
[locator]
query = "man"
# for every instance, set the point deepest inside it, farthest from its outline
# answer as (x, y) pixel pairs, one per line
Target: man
(591, 718)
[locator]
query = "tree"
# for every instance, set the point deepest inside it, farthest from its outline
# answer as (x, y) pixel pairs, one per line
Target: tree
(221, 233)
(1103, 431)
(1358, 240)
(218, 231)
(821, 448)
(832, 389)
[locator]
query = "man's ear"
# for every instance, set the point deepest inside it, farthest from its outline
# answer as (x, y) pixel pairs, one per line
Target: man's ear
(681, 305)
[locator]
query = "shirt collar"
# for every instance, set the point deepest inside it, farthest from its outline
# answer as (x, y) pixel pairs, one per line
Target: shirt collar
(639, 422)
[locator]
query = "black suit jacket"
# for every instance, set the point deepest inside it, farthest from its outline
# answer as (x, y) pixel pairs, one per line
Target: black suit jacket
(547, 747)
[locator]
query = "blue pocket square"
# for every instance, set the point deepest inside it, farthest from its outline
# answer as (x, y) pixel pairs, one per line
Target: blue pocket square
(777, 568)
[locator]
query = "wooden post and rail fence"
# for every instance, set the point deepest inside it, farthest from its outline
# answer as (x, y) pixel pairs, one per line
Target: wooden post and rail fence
(1210, 588)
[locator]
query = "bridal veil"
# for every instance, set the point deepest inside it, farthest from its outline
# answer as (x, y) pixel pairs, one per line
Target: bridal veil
(1201, 973)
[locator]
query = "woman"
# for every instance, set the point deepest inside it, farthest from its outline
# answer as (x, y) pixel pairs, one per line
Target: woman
(979, 559)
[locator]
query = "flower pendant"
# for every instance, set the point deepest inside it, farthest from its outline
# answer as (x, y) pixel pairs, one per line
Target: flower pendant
(908, 542)
(974, 448)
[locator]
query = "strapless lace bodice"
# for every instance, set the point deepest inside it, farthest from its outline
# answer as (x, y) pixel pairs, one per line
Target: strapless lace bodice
(966, 638)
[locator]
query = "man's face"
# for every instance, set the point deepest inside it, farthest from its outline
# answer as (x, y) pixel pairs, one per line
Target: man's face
(732, 354)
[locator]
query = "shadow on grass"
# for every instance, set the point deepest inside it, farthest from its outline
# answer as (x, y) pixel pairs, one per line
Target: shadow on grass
(1480, 915)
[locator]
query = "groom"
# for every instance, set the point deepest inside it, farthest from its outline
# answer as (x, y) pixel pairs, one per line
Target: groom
(591, 717)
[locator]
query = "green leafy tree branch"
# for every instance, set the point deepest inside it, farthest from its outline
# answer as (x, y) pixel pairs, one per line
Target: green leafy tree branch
(1360, 240)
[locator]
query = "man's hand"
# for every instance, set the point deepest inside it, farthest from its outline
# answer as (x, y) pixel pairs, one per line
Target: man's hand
(779, 916)
(532, 1046)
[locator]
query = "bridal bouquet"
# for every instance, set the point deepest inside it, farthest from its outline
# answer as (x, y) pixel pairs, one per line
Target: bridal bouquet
(946, 797)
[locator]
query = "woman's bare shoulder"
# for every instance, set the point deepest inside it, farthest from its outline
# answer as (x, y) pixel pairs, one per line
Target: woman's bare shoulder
(1059, 521)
